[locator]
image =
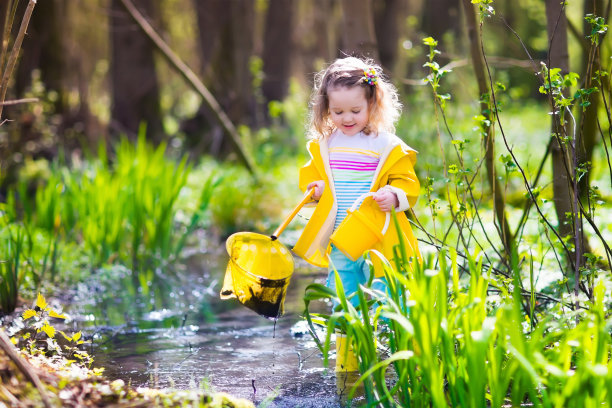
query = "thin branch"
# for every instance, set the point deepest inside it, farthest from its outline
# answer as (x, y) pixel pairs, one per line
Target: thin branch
(534, 183)
(10, 66)
(514, 158)
(18, 101)
(496, 61)
(195, 82)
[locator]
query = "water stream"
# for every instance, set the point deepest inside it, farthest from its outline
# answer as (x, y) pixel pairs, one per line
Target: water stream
(181, 335)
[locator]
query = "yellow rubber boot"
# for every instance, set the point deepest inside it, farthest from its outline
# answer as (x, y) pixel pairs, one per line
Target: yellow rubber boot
(347, 369)
(346, 360)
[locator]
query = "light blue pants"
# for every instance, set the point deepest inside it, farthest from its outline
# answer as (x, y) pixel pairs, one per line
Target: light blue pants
(352, 274)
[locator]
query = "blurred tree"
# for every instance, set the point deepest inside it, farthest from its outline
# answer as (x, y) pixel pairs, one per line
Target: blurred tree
(278, 49)
(558, 57)
(563, 149)
(488, 128)
(59, 56)
(591, 63)
(45, 51)
(134, 83)
(226, 41)
(441, 20)
(325, 28)
(316, 36)
(358, 37)
(388, 23)
(9, 53)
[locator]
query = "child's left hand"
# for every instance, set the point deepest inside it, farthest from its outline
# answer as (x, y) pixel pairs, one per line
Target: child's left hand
(386, 200)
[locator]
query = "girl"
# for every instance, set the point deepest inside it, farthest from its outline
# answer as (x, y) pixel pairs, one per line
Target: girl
(353, 149)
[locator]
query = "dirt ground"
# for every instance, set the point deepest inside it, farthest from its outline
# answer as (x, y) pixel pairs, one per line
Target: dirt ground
(70, 385)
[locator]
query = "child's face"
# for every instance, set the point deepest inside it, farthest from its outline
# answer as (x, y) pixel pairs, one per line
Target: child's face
(348, 109)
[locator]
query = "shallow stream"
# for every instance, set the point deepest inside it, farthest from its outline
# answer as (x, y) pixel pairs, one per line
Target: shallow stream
(181, 335)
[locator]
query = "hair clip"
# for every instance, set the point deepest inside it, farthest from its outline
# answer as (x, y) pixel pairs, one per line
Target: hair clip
(369, 76)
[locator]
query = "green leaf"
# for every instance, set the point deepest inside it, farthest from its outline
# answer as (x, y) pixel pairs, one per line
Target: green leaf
(430, 41)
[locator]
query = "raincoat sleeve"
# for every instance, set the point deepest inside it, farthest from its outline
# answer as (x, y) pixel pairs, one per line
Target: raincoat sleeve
(402, 180)
(309, 172)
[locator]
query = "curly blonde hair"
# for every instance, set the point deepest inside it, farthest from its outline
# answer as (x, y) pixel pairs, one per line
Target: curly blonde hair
(384, 107)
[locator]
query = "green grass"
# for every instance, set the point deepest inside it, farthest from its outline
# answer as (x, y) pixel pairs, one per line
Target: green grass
(121, 211)
(453, 333)
(10, 262)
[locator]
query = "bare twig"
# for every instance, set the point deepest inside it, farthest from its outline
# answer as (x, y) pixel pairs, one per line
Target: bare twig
(8, 9)
(24, 367)
(194, 81)
(500, 62)
(18, 101)
(8, 71)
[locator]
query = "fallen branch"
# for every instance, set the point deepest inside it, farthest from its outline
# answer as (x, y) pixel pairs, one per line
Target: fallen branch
(24, 367)
(194, 81)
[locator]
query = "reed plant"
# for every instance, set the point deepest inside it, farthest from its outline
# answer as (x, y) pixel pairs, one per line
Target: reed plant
(150, 187)
(122, 210)
(452, 333)
(11, 244)
(125, 210)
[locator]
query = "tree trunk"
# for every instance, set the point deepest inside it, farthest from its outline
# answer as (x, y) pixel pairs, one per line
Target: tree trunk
(561, 152)
(325, 26)
(389, 17)
(45, 50)
(243, 18)
(316, 35)
(589, 128)
(442, 17)
(278, 49)
(5, 7)
(499, 203)
(358, 38)
(134, 83)
(226, 46)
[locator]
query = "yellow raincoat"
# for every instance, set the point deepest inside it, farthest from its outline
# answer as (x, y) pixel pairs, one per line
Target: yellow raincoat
(395, 172)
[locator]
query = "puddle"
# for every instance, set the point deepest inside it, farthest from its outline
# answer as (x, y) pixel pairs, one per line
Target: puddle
(183, 336)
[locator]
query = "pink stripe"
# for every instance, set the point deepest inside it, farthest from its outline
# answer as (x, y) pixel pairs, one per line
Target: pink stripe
(352, 163)
(350, 168)
(355, 157)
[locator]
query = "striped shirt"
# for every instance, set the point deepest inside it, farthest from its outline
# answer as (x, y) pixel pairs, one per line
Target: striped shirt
(353, 161)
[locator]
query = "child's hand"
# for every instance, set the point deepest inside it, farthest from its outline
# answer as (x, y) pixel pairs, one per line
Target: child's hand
(386, 200)
(319, 186)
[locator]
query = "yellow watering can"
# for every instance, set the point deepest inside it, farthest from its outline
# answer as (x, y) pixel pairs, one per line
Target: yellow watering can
(259, 268)
(357, 233)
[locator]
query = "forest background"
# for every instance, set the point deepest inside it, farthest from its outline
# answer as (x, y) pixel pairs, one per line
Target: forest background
(129, 124)
(507, 102)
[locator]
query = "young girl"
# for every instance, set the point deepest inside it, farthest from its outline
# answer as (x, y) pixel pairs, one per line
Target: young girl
(353, 112)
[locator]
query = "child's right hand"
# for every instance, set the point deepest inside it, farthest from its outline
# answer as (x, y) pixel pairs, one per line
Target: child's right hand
(319, 186)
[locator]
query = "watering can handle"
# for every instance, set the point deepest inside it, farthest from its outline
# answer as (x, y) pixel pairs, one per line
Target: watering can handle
(307, 198)
(360, 200)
